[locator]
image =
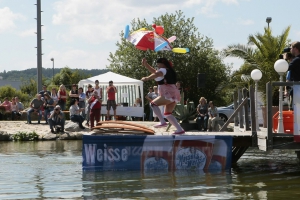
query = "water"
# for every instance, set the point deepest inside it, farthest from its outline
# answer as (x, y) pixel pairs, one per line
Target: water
(52, 170)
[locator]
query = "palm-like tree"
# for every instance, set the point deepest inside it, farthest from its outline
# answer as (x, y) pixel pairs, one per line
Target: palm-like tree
(261, 53)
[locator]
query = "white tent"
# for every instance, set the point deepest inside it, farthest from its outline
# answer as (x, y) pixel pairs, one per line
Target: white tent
(128, 88)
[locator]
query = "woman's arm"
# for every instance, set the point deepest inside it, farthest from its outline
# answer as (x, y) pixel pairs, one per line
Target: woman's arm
(153, 76)
(150, 69)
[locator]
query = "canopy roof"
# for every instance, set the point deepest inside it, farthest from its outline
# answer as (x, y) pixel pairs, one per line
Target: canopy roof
(110, 76)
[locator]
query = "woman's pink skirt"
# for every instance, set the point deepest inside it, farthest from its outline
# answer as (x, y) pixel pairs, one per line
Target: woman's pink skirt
(170, 92)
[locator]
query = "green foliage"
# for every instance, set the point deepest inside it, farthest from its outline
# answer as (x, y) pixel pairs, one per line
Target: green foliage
(202, 57)
(263, 56)
(47, 73)
(185, 113)
(24, 136)
(10, 92)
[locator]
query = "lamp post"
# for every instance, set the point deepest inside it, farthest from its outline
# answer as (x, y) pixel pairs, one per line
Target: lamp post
(256, 76)
(268, 20)
(280, 66)
(52, 59)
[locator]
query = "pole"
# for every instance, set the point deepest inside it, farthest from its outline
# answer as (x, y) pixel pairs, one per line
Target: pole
(52, 59)
(256, 108)
(280, 128)
(39, 46)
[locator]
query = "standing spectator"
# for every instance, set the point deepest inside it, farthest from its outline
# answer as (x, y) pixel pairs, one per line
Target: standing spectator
(88, 94)
(155, 95)
(111, 90)
(149, 97)
(169, 95)
(98, 89)
(42, 92)
(54, 95)
(20, 105)
(95, 108)
(75, 113)
(14, 109)
(74, 92)
(35, 106)
(62, 97)
(48, 106)
(202, 118)
(57, 118)
(81, 102)
(213, 116)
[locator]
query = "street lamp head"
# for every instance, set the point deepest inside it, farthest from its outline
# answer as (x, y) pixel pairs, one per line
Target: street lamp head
(256, 74)
(52, 59)
(269, 19)
(281, 66)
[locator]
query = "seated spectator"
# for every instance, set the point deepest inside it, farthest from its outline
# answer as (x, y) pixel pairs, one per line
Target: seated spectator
(20, 105)
(202, 118)
(35, 106)
(138, 103)
(57, 118)
(48, 106)
(75, 113)
(7, 104)
(14, 109)
(213, 116)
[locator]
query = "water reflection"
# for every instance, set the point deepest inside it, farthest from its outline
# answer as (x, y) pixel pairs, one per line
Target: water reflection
(154, 184)
(53, 169)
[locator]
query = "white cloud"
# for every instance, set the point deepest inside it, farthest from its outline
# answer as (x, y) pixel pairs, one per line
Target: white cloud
(97, 21)
(245, 21)
(8, 19)
(76, 58)
(235, 62)
(26, 33)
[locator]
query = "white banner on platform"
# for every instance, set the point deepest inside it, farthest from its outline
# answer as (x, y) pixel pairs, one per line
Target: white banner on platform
(296, 102)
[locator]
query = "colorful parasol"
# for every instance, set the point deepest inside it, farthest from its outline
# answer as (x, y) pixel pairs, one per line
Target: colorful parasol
(152, 40)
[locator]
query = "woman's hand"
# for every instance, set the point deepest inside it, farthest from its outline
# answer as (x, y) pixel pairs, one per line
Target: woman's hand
(144, 61)
(145, 79)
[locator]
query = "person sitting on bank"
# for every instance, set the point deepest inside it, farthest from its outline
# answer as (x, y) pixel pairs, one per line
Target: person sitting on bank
(213, 116)
(14, 109)
(75, 113)
(138, 103)
(57, 118)
(48, 106)
(35, 106)
(7, 104)
(202, 118)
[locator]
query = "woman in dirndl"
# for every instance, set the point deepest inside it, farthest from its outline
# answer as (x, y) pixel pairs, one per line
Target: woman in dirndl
(169, 95)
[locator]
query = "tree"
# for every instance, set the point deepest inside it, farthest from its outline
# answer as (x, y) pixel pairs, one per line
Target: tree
(10, 92)
(202, 58)
(68, 77)
(266, 51)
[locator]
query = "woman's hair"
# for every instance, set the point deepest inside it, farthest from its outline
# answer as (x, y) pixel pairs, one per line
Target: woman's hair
(62, 87)
(73, 101)
(202, 98)
(165, 62)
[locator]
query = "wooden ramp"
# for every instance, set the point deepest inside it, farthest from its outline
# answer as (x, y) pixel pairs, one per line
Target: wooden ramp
(122, 127)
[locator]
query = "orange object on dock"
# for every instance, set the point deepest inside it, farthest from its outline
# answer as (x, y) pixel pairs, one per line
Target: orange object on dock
(288, 121)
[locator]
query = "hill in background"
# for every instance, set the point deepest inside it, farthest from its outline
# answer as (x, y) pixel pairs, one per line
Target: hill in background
(46, 72)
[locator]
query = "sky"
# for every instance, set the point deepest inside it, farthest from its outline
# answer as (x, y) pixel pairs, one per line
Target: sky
(81, 33)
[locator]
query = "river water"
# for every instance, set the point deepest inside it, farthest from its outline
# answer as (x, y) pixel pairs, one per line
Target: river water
(53, 170)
